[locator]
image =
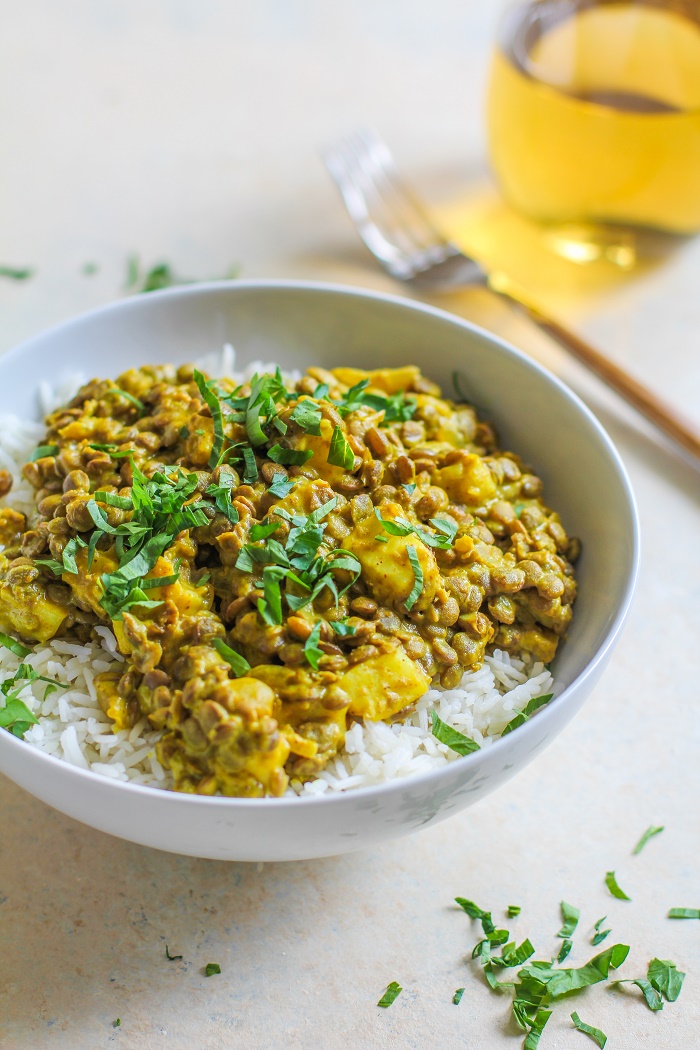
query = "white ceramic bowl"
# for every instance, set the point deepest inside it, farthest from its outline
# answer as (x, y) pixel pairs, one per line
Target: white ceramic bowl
(297, 324)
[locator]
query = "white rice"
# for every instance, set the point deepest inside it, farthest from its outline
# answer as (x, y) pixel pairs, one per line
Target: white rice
(72, 726)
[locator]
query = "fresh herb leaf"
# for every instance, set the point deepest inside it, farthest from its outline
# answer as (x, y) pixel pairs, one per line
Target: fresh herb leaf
(564, 950)
(531, 706)
(343, 630)
(513, 910)
(393, 991)
(648, 834)
(600, 935)
(217, 416)
(398, 408)
(238, 663)
(307, 415)
(401, 527)
(611, 883)
(117, 1023)
(43, 450)
(666, 978)
(221, 494)
(14, 646)
(281, 486)
(457, 997)
(651, 995)
(250, 472)
(410, 489)
(129, 397)
(512, 956)
(455, 740)
(171, 957)
(417, 588)
(559, 982)
(595, 1033)
(446, 528)
(570, 915)
(684, 913)
(16, 717)
(537, 1024)
(211, 968)
(16, 274)
(289, 456)
(56, 567)
(311, 650)
(261, 532)
(339, 453)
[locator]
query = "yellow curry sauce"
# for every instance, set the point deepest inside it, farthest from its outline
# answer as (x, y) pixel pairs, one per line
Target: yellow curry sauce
(276, 560)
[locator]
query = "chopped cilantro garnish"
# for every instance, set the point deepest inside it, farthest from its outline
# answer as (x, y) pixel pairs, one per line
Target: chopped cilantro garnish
(281, 486)
(513, 910)
(570, 915)
(611, 883)
(14, 646)
(221, 494)
(343, 630)
(457, 997)
(205, 389)
(295, 457)
(117, 1023)
(238, 663)
(56, 567)
(648, 834)
(307, 415)
(211, 968)
(530, 707)
(339, 453)
(311, 649)
(455, 740)
(16, 273)
(666, 978)
(417, 588)
(595, 1033)
(663, 981)
(684, 913)
(171, 957)
(396, 407)
(410, 489)
(600, 935)
(129, 397)
(651, 995)
(43, 450)
(565, 949)
(401, 527)
(16, 717)
(261, 532)
(393, 991)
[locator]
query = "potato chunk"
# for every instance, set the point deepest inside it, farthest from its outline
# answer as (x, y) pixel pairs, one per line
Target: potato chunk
(383, 685)
(467, 480)
(386, 567)
(390, 380)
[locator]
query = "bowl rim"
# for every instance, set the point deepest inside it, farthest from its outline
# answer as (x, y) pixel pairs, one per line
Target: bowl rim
(168, 797)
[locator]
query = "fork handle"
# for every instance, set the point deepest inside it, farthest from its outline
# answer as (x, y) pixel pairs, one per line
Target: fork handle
(663, 416)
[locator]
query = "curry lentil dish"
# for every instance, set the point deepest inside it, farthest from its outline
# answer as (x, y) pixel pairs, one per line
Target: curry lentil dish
(278, 559)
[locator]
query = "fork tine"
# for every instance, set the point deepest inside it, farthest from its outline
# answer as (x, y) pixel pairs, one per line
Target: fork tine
(343, 166)
(379, 163)
(389, 204)
(391, 222)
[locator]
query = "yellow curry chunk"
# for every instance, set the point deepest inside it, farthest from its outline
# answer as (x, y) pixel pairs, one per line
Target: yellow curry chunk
(279, 559)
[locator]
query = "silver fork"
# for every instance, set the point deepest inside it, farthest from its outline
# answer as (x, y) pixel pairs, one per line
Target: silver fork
(399, 233)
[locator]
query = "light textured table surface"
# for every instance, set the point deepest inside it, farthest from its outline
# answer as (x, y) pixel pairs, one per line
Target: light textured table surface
(189, 130)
